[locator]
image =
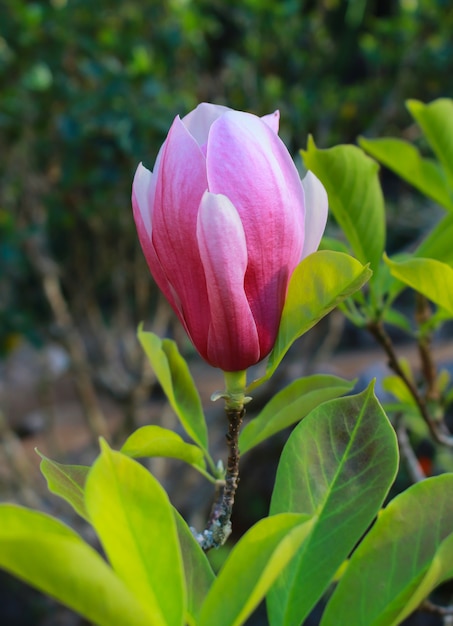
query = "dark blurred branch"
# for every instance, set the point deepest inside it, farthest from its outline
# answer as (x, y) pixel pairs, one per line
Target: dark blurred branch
(47, 270)
(438, 429)
(20, 467)
(422, 316)
(407, 453)
(430, 607)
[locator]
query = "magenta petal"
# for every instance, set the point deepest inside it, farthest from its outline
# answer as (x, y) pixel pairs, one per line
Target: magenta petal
(199, 121)
(316, 209)
(272, 120)
(233, 342)
(248, 163)
(181, 182)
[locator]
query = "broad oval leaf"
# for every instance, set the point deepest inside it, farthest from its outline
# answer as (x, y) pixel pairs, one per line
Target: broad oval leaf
(48, 555)
(438, 243)
(290, 405)
(252, 567)
(338, 466)
(436, 121)
(429, 277)
(134, 520)
(157, 441)
(176, 381)
(405, 555)
(67, 482)
(319, 283)
(405, 160)
(355, 196)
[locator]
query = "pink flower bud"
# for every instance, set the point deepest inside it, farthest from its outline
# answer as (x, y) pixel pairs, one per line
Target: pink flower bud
(223, 220)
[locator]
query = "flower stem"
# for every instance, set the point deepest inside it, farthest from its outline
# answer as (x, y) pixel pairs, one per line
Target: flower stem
(218, 528)
(235, 383)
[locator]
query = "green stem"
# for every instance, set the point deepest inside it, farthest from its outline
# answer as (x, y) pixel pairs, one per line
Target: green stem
(235, 384)
(212, 466)
(212, 479)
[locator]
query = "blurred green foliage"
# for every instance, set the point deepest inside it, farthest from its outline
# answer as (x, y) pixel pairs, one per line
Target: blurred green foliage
(88, 90)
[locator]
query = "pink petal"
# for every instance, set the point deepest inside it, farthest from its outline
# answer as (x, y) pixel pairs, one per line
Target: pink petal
(199, 121)
(233, 343)
(316, 210)
(248, 163)
(143, 189)
(181, 182)
(272, 120)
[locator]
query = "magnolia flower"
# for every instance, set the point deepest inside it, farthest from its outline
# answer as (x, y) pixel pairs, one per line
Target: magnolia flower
(223, 220)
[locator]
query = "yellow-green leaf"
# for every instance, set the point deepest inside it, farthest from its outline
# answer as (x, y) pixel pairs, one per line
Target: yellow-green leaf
(48, 555)
(134, 519)
(429, 277)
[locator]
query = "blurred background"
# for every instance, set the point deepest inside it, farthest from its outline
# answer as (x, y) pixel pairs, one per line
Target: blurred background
(87, 90)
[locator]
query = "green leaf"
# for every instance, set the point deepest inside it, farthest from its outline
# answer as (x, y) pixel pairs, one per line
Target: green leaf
(338, 466)
(436, 121)
(405, 160)
(67, 482)
(395, 318)
(385, 287)
(290, 405)
(174, 376)
(429, 277)
(252, 567)
(157, 441)
(48, 555)
(437, 244)
(395, 386)
(134, 520)
(197, 569)
(329, 243)
(355, 196)
(319, 283)
(407, 553)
